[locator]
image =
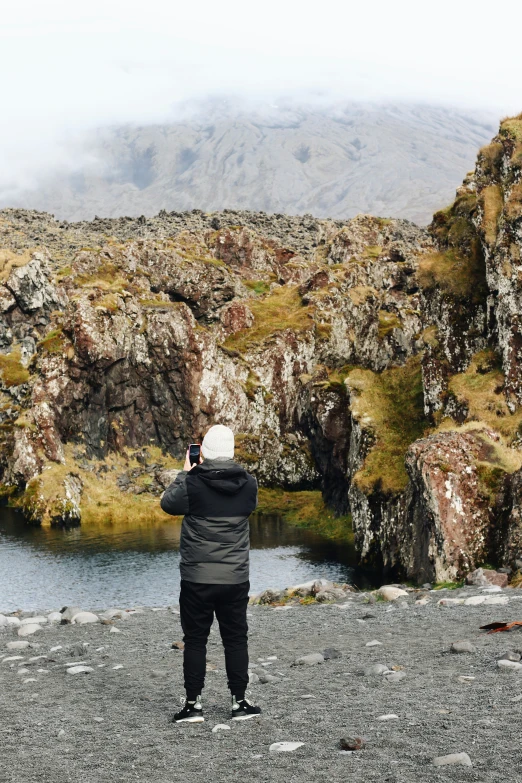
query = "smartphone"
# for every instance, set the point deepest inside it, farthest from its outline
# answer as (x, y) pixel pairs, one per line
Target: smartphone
(194, 453)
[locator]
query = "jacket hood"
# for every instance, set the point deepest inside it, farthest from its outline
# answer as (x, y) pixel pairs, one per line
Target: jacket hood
(224, 476)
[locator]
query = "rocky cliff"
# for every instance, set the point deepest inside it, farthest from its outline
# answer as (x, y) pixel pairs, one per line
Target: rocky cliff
(371, 358)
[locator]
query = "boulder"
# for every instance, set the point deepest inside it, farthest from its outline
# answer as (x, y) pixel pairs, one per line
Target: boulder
(84, 618)
(391, 593)
(68, 612)
(29, 630)
(483, 577)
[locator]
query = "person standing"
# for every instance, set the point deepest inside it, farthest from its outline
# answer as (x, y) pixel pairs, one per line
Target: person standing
(216, 498)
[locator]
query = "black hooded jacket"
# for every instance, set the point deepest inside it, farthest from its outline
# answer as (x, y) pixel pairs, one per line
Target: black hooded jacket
(216, 498)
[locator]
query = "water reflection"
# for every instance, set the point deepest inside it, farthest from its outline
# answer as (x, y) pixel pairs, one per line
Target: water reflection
(110, 564)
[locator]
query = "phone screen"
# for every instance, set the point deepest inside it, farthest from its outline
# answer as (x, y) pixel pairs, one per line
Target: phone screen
(194, 453)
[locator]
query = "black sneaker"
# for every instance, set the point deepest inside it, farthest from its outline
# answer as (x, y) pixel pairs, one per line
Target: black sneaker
(192, 712)
(242, 709)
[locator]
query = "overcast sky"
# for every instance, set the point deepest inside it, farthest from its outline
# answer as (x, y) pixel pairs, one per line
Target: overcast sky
(67, 66)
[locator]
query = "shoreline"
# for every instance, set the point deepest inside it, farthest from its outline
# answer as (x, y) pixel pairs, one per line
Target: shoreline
(113, 720)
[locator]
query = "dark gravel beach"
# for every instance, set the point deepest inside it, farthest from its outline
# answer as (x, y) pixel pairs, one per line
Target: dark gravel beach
(113, 723)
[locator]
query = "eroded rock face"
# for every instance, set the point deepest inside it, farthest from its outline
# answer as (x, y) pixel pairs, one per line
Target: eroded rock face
(316, 351)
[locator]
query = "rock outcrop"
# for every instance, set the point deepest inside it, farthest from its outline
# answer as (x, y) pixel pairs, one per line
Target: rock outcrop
(371, 359)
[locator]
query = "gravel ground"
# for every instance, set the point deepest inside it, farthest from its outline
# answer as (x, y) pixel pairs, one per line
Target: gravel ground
(114, 723)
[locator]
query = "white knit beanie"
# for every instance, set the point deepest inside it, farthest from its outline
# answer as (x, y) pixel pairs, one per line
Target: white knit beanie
(218, 443)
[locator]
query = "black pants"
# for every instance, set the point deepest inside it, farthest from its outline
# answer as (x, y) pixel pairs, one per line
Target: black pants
(198, 603)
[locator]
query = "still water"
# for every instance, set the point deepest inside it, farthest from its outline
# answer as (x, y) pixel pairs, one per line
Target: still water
(106, 566)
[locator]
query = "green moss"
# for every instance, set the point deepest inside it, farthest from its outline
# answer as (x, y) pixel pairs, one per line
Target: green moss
(305, 509)
(53, 342)
(387, 323)
(258, 286)
(12, 370)
(391, 405)
(448, 585)
(251, 385)
(372, 251)
(246, 449)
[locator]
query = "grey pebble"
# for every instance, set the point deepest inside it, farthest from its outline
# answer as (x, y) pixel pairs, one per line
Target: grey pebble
(462, 647)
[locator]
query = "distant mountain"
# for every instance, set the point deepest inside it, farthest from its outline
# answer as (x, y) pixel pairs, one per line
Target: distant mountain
(336, 161)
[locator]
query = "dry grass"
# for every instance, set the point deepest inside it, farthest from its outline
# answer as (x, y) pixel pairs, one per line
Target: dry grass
(387, 323)
(390, 405)
(460, 276)
(493, 204)
(514, 202)
(512, 126)
(282, 309)
(481, 388)
(12, 370)
(106, 278)
(305, 509)
(10, 260)
(359, 294)
(490, 157)
(103, 503)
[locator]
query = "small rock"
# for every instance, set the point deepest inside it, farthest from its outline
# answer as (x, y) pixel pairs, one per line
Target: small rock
(453, 758)
(253, 678)
(84, 618)
(511, 655)
(33, 621)
(331, 654)
(13, 658)
(390, 593)
(21, 645)
(466, 678)
(284, 747)
(29, 630)
(307, 696)
(118, 666)
(390, 716)
(373, 643)
(352, 743)
(462, 647)
(394, 676)
(220, 727)
(496, 600)
(54, 618)
(98, 720)
(29, 679)
(426, 586)
(266, 679)
(79, 669)
(56, 648)
(509, 666)
(61, 734)
(331, 594)
(12, 621)
(178, 645)
(474, 600)
(158, 673)
(376, 670)
(450, 601)
(114, 629)
(309, 660)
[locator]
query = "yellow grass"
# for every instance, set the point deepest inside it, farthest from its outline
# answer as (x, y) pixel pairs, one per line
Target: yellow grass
(12, 370)
(280, 310)
(390, 405)
(480, 387)
(10, 260)
(493, 203)
(305, 509)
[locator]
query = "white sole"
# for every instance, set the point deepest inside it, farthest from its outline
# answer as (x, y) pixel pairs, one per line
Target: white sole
(190, 720)
(245, 717)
